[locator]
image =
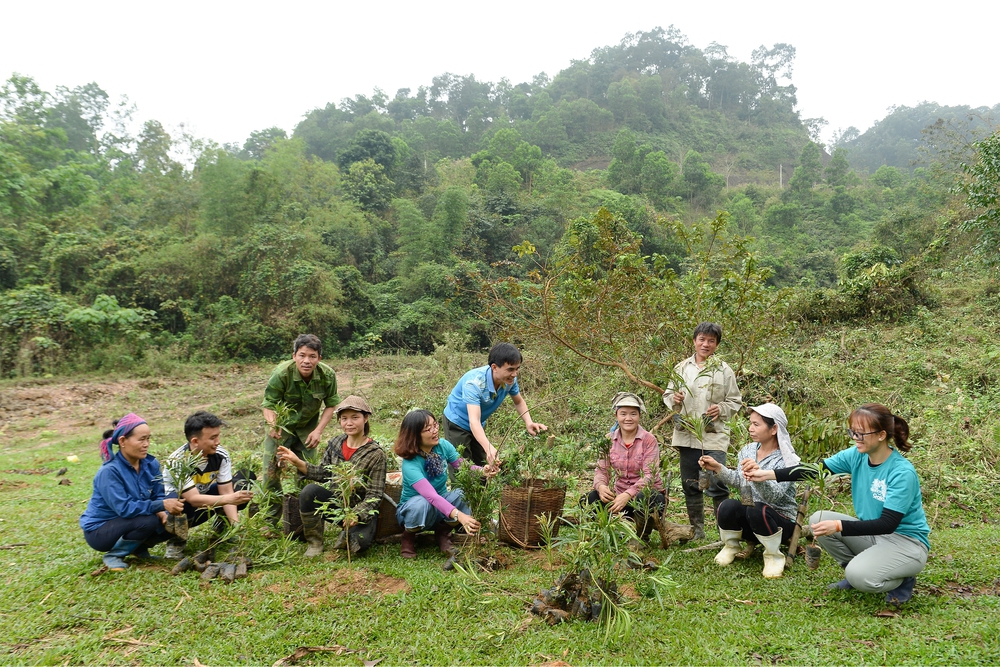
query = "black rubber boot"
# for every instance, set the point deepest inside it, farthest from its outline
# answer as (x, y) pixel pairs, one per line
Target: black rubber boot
(313, 526)
(696, 515)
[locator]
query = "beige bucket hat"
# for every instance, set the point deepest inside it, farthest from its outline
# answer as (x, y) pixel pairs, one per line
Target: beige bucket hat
(353, 403)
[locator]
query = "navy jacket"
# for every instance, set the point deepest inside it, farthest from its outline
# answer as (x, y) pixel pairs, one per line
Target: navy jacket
(121, 492)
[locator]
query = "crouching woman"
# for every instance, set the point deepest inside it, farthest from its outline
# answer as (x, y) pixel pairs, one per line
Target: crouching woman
(354, 446)
(634, 462)
(425, 501)
(770, 519)
(128, 507)
(885, 547)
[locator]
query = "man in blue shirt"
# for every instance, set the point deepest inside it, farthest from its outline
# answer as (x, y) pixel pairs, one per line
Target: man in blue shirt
(477, 396)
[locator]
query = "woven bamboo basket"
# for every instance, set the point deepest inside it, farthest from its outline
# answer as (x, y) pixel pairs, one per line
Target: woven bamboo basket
(520, 507)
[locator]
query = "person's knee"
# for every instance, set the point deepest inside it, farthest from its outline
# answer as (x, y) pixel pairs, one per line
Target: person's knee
(816, 517)
(862, 579)
(730, 512)
(307, 498)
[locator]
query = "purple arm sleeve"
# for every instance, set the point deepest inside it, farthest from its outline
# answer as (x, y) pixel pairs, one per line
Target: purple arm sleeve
(424, 488)
(457, 463)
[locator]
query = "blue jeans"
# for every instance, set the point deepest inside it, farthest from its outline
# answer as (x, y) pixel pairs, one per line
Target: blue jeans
(418, 514)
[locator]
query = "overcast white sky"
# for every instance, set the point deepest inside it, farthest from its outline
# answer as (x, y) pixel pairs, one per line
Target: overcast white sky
(227, 68)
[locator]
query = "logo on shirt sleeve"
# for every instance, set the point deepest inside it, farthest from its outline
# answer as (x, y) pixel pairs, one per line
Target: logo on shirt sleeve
(878, 490)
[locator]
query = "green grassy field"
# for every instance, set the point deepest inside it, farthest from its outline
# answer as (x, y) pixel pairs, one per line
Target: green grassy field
(385, 608)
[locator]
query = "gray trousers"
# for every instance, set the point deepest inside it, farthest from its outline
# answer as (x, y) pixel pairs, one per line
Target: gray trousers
(872, 563)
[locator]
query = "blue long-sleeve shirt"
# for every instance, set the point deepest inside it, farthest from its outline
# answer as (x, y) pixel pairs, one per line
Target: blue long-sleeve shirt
(122, 492)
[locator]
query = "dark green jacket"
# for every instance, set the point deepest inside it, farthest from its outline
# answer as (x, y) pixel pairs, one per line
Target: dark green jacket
(306, 399)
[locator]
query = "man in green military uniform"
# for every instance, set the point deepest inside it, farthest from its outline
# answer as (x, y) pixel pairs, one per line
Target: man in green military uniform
(306, 386)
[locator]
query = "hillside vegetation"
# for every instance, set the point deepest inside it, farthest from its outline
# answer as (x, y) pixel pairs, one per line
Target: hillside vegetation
(376, 222)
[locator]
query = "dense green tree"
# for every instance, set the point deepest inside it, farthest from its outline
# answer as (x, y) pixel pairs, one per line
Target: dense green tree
(809, 172)
(366, 183)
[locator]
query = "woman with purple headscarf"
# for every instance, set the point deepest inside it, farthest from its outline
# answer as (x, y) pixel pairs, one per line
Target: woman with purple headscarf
(128, 509)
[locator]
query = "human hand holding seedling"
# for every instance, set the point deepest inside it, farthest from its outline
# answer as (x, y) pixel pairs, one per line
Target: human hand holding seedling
(709, 463)
(285, 454)
(679, 397)
(621, 500)
(605, 493)
(713, 411)
(240, 497)
(827, 527)
(470, 524)
(173, 505)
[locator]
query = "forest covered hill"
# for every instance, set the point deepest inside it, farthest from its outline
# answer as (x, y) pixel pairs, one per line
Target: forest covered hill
(376, 222)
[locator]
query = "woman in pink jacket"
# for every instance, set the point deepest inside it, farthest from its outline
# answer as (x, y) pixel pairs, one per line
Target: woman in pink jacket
(628, 480)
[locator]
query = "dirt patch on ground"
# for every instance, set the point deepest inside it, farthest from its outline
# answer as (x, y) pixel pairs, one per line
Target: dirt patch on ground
(541, 560)
(345, 581)
(53, 409)
(628, 590)
(955, 589)
(10, 485)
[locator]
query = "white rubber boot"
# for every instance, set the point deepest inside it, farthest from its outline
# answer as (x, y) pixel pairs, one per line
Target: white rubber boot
(774, 562)
(731, 547)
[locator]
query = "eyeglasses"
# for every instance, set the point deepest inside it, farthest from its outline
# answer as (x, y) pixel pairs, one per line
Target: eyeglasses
(433, 427)
(854, 435)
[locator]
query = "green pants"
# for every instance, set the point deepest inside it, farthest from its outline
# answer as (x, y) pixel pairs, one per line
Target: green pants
(271, 478)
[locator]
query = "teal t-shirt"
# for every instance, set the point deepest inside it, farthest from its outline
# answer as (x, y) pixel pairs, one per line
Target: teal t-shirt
(893, 485)
(413, 471)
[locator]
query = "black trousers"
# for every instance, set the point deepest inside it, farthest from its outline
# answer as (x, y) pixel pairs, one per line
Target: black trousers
(314, 496)
(632, 510)
(147, 529)
(689, 474)
(759, 519)
(199, 515)
(464, 442)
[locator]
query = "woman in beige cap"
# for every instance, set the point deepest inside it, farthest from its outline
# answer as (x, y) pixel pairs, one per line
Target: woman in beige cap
(629, 478)
(355, 446)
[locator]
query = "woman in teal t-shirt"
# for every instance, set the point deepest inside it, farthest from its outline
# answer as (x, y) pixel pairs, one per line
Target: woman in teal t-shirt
(885, 547)
(426, 501)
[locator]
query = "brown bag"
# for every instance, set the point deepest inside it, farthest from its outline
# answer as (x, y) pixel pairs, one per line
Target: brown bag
(291, 520)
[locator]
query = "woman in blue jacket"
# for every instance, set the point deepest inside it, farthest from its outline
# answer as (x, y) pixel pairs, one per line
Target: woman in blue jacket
(128, 509)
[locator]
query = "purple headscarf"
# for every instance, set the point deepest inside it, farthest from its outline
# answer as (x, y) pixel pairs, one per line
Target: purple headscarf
(125, 425)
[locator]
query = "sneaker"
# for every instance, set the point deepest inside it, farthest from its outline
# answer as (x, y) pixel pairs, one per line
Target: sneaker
(902, 593)
(842, 585)
(174, 551)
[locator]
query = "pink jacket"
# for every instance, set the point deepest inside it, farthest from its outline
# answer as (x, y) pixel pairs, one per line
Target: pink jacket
(635, 466)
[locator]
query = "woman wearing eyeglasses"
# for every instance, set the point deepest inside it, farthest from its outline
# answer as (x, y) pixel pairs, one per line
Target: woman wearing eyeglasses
(426, 501)
(885, 547)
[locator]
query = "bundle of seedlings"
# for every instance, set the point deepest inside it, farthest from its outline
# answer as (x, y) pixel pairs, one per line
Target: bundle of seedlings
(482, 493)
(291, 520)
(821, 478)
(598, 559)
(179, 469)
(345, 481)
(534, 479)
(245, 544)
